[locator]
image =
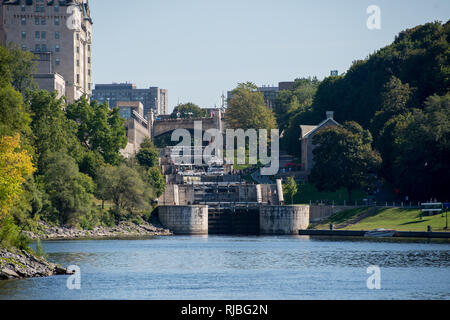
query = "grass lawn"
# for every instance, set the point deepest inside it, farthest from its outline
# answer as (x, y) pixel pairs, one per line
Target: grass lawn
(340, 217)
(307, 192)
(401, 220)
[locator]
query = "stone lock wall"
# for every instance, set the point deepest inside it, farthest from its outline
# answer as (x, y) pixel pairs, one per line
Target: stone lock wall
(184, 219)
(264, 220)
(283, 220)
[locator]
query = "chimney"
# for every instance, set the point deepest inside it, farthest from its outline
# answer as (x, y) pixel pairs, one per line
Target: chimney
(330, 114)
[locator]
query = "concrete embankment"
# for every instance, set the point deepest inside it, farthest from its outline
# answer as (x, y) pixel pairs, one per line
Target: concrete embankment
(19, 264)
(398, 234)
(123, 229)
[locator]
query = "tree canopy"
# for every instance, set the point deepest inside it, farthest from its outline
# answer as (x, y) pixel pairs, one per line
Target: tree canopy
(99, 128)
(247, 110)
(188, 110)
(344, 158)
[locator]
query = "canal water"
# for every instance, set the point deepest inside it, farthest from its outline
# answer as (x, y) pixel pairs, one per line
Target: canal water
(220, 267)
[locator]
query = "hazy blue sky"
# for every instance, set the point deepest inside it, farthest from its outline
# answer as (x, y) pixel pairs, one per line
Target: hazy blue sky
(198, 49)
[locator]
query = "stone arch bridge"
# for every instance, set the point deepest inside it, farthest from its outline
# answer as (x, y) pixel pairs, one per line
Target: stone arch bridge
(160, 127)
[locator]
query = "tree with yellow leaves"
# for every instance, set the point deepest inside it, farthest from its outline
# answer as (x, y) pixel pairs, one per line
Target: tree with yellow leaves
(15, 166)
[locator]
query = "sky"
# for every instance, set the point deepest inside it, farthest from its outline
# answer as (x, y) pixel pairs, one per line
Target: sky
(199, 49)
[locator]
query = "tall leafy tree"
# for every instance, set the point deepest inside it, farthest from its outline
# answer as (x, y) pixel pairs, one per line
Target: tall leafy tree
(394, 100)
(125, 188)
(344, 158)
(419, 57)
(52, 131)
(247, 110)
(417, 148)
(17, 68)
(99, 129)
(23, 67)
(148, 155)
(15, 166)
(290, 189)
(69, 191)
(156, 179)
(291, 102)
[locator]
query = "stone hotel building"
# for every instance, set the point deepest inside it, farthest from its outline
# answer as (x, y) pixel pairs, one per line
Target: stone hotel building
(59, 32)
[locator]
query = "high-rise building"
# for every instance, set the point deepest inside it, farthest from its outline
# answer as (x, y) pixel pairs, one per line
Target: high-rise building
(152, 98)
(59, 32)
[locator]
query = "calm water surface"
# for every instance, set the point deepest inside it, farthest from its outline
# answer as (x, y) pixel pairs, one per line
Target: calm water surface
(216, 267)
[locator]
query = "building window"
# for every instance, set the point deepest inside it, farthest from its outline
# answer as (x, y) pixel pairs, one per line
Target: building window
(78, 63)
(22, 7)
(78, 49)
(24, 21)
(89, 60)
(89, 47)
(89, 72)
(24, 35)
(56, 35)
(89, 86)
(43, 21)
(78, 78)
(24, 47)
(43, 35)
(36, 21)
(57, 61)
(56, 21)
(44, 48)
(37, 34)
(57, 48)
(37, 48)
(56, 8)
(78, 36)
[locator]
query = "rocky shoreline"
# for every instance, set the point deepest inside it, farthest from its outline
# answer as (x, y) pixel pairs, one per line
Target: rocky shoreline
(123, 230)
(20, 264)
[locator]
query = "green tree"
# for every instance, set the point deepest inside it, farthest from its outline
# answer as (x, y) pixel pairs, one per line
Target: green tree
(419, 57)
(126, 189)
(90, 163)
(416, 146)
(297, 100)
(17, 68)
(290, 189)
(15, 166)
(13, 116)
(394, 101)
(344, 158)
(53, 132)
(148, 155)
(157, 180)
(23, 67)
(99, 129)
(247, 110)
(69, 191)
(189, 110)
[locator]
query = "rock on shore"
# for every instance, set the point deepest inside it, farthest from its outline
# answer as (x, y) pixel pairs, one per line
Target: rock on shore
(124, 229)
(19, 264)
